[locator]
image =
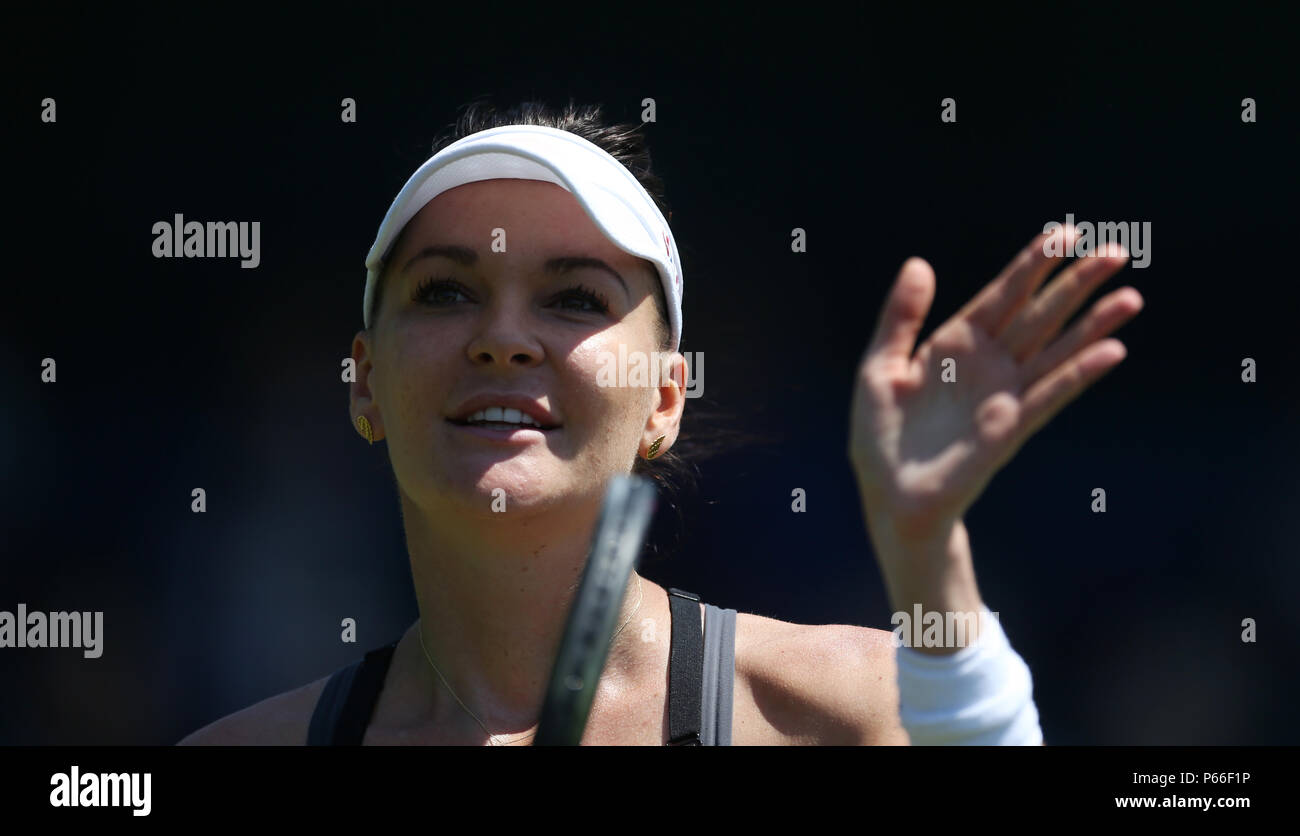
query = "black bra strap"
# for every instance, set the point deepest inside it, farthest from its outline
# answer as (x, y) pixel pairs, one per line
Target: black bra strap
(345, 706)
(685, 669)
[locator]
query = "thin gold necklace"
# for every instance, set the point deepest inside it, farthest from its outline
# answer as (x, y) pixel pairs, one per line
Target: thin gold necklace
(492, 738)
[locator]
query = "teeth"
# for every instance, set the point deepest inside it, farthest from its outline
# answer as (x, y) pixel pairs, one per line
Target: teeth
(503, 415)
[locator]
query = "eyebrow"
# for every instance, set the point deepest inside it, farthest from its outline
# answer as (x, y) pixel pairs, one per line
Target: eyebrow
(460, 255)
(467, 257)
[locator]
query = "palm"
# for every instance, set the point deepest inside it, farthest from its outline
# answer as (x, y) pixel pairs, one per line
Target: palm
(937, 436)
(929, 429)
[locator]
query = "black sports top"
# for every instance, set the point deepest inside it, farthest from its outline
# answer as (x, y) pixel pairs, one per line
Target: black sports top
(701, 670)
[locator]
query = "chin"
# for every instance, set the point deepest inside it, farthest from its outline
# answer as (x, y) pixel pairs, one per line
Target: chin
(513, 486)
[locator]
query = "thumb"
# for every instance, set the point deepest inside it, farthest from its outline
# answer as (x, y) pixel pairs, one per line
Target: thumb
(904, 311)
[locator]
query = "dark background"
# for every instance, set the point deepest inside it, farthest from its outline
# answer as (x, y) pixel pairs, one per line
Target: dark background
(183, 373)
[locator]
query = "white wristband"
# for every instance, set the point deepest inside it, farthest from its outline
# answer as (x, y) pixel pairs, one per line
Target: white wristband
(982, 695)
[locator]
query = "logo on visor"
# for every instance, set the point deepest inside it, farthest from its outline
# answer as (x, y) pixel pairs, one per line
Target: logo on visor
(677, 277)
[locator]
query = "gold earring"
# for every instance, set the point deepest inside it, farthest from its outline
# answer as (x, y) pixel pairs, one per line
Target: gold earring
(363, 424)
(654, 448)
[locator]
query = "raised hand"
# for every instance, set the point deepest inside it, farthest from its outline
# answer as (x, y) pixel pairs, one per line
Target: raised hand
(923, 448)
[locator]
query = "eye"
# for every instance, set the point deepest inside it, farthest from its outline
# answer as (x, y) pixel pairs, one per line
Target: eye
(438, 292)
(577, 296)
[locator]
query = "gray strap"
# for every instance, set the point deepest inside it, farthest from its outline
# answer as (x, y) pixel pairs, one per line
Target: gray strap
(719, 675)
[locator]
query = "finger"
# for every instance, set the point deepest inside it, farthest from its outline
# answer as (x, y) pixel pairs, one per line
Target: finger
(1040, 320)
(1065, 383)
(995, 305)
(904, 311)
(1110, 312)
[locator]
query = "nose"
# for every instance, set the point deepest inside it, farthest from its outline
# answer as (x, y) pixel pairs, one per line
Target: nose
(504, 337)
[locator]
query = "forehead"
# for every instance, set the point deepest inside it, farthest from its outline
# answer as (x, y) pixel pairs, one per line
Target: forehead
(533, 214)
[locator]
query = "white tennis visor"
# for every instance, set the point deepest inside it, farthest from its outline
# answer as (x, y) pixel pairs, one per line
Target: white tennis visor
(608, 192)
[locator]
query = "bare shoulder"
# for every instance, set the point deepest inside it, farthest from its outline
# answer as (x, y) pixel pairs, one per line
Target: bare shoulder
(819, 684)
(281, 720)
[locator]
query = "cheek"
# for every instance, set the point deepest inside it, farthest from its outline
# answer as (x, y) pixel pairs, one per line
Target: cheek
(614, 414)
(413, 377)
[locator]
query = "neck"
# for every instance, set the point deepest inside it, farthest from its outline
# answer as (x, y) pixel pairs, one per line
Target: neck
(494, 593)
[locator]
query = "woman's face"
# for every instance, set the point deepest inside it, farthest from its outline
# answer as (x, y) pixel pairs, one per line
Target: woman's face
(496, 289)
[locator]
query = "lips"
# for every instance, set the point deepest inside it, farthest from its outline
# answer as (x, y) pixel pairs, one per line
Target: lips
(516, 409)
(511, 436)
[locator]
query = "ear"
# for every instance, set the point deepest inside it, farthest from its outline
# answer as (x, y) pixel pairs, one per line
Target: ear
(669, 401)
(361, 389)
